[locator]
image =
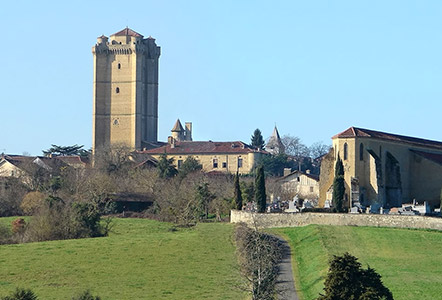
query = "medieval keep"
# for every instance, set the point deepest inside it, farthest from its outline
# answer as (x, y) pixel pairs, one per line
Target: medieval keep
(125, 91)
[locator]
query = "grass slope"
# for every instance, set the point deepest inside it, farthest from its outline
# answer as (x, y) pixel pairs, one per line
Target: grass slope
(141, 259)
(409, 261)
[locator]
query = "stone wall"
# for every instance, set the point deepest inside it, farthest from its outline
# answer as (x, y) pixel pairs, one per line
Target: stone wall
(303, 219)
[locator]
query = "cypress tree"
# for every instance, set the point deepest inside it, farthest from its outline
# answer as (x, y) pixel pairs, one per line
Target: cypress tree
(260, 189)
(237, 193)
(338, 186)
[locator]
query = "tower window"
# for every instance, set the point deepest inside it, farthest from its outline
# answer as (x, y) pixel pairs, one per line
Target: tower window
(345, 151)
(119, 66)
(361, 151)
(117, 90)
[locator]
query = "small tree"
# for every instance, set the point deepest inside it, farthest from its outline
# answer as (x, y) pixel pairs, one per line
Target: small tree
(237, 193)
(165, 167)
(203, 197)
(257, 140)
(260, 189)
(338, 186)
(347, 280)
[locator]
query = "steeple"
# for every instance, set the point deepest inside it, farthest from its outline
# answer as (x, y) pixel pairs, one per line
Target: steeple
(275, 145)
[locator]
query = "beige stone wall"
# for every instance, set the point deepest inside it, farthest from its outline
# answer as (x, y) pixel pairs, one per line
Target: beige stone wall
(304, 219)
(206, 160)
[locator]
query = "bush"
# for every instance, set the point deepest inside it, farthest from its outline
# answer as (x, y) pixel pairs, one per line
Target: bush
(58, 221)
(32, 202)
(21, 294)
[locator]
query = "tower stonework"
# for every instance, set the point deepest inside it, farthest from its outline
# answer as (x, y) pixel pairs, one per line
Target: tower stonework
(125, 90)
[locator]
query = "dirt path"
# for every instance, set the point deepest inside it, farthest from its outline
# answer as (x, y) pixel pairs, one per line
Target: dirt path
(285, 284)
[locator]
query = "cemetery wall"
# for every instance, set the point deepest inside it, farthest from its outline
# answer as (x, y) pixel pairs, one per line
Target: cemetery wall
(303, 219)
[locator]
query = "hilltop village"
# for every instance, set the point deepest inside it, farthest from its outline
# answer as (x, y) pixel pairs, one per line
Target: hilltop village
(382, 172)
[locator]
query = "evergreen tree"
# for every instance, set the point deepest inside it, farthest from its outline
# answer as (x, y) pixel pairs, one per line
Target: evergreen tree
(347, 280)
(237, 193)
(189, 165)
(260, 189)
(257, 140)
(165, 167)
(66, 150)
(338, 186)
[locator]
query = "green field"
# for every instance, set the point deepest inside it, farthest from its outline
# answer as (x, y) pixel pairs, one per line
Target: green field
(410, 261)
(141, 259)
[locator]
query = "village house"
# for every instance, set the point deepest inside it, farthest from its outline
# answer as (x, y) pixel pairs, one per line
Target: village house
(301, 184)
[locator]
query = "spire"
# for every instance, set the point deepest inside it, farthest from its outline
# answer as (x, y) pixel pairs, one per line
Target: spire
(177, 127)
(275, 145)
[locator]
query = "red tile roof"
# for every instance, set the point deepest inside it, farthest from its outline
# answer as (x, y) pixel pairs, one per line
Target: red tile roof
(361, 132)
(127, 31)
(187, 147)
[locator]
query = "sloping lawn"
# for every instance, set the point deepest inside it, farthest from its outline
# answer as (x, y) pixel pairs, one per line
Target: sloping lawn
(141, 259)
(409, 261)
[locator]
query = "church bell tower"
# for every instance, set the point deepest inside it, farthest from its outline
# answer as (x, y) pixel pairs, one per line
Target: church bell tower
(125, 90)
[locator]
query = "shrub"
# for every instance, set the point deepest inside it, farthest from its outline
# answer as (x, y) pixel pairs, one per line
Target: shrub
(32, 202)
(18, 226)
(21, 294)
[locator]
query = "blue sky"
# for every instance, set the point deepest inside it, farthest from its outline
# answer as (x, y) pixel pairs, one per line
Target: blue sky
(314, 68)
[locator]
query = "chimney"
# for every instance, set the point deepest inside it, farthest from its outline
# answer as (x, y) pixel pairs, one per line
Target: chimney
(188, 126)
(287, 171)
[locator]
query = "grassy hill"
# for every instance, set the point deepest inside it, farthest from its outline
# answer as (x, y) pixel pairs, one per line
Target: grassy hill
(141, 259)
(410, 261)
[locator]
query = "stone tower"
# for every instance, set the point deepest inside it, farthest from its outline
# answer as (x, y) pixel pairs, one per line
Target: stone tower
(125, 92)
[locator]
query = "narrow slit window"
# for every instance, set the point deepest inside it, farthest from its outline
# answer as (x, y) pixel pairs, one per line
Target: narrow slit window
(117, 90)
(345, 151)
(119, 66)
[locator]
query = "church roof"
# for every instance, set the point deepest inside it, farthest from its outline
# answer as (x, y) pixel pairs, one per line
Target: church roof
(361, 132)
(177, 127)
(204, 147)
(127, 31)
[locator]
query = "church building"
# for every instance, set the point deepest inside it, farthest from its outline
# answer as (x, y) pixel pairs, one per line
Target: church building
(384, 169)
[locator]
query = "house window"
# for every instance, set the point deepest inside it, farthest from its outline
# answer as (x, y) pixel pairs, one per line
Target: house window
(361, 152)
(239, 162)
(224, 165)
(311, 189)
(345, 151)
(119, 66)
(117, 90)
(298, 178)
(215, 163)
(180, 163)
